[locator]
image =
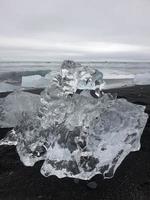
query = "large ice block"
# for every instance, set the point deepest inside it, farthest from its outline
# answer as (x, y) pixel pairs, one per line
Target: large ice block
(77, 135)
(6, 87)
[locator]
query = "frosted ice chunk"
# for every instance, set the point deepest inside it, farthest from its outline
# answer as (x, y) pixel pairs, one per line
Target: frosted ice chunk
(78, 135)
(15, 105)
(6, 87)
(35, 81)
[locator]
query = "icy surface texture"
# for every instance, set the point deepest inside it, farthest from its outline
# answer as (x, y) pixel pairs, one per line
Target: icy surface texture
(78, 135)
(6, 87)
(15, 105)
(75, 76)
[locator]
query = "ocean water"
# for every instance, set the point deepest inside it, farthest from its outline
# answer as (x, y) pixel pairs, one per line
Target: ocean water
(114, 72)
(106, 67)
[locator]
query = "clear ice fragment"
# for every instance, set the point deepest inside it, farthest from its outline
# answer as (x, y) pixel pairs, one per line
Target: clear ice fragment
(15, 105)
(77, 135)
(75, 76)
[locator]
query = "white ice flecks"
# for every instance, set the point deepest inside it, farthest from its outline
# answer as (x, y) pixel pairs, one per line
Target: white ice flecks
(78, 135)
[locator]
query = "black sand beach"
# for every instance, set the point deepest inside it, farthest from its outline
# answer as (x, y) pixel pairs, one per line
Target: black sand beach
(131, 180)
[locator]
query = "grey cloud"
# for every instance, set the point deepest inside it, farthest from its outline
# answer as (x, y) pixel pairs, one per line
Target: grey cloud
(119, 21)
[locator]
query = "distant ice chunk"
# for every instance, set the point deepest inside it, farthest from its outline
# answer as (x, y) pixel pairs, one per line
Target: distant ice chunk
(118, 76)
(34, 81)
(117, 83)
(6, 87)
(10, 139)
(15, 105)
(142, 79)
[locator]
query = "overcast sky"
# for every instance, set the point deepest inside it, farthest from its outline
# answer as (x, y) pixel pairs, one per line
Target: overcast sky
(75, 29)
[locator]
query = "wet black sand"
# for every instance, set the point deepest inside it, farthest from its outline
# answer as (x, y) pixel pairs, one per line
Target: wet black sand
(131, 181)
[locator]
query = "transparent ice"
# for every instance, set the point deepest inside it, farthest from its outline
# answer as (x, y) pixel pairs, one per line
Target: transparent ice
(75, 76)
(77, 134)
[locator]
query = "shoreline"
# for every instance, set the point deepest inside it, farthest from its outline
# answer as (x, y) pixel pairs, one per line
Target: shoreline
(119, 89)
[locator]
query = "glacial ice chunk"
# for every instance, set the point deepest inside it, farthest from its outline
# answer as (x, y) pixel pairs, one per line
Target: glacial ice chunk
(75, 76)
(6, 87)
(34, 81)
(15, 105)
(78, 135)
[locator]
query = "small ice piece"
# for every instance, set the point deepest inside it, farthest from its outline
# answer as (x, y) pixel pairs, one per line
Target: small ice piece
(34, 81)
(51, 75)
(15, 105)
(75, 76)
(92, 185)
(77, 135)
(10, 139)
